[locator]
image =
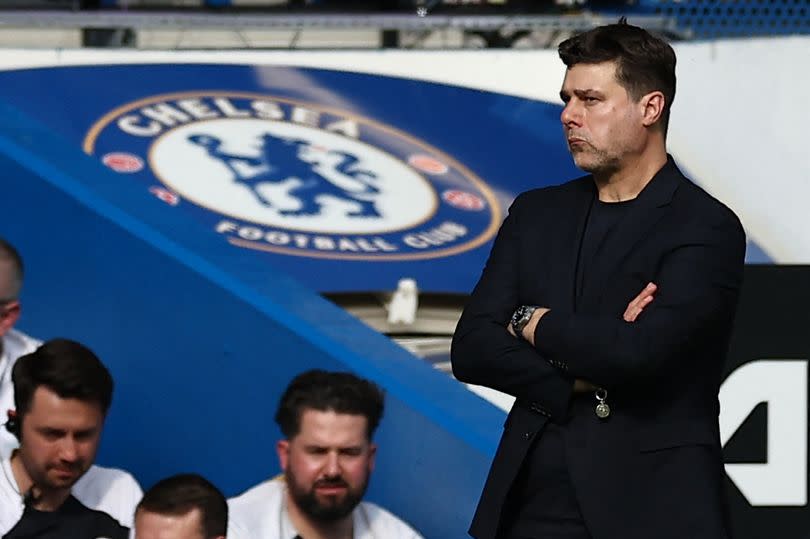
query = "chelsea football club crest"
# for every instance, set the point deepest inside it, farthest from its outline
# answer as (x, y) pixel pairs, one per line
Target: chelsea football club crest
(286, 176)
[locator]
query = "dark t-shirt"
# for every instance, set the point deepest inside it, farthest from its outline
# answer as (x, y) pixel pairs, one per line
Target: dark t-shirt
(603, 217)
(72, 520)
(542, 500)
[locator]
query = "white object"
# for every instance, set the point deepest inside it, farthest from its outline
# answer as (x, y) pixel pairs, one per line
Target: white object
(403, 304)
(14, 345)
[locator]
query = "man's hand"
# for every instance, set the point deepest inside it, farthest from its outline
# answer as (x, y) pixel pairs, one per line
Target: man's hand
(634, 309)
(644, 298)
(580, 385)
(532, 322)
(583, 386)
(531, 326)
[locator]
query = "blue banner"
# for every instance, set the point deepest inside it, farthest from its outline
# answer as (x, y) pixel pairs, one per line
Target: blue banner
(319, 172)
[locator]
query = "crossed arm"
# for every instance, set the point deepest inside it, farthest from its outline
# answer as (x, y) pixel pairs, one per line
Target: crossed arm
(631, 313)
(695, 291)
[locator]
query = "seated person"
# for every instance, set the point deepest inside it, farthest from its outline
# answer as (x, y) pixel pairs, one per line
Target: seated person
(184, 506)
(49, 486)
(327, 456)
(13, 343)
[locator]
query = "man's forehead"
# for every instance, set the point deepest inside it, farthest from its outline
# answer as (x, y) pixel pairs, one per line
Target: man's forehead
(48, 402)
(331, 423)
(590, 77)
(153, 525)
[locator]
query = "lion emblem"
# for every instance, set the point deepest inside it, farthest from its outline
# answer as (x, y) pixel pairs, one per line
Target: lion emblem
(281, 159)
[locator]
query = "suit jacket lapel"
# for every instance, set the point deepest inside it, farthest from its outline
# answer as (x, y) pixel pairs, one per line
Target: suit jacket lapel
(649, 207)
(571, 218)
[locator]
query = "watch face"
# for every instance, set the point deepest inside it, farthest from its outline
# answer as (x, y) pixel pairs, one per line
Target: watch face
(519, 319)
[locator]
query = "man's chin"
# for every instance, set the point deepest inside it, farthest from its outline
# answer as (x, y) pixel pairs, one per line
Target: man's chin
(583, 159)
(61, 480)
(586, 165)
(331, 511)
(328, 507)
(330, 500)
(593, 166)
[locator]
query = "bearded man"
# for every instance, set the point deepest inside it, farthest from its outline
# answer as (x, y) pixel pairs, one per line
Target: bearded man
(327, 456)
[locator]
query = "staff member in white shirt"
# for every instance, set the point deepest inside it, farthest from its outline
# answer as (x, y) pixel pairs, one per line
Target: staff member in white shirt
(327, 456)
(13, 343)
(49, 488)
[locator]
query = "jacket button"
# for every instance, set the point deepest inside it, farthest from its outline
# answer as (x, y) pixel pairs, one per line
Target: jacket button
(527, 435)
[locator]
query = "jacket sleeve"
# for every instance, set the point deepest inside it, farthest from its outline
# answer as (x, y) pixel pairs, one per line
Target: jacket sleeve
(698, 285)
(484, 353)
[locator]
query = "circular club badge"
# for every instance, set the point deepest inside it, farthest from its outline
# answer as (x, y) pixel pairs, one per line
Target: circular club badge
(298, 178)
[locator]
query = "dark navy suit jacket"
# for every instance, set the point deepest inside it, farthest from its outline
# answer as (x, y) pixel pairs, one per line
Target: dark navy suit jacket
(654, 468)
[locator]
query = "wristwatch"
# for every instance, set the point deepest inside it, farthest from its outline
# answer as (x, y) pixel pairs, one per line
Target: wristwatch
(521, 317)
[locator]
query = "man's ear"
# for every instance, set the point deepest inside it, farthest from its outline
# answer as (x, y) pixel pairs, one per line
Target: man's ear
(9, 314)
(372, 456)
(283, 452)
(652, 107)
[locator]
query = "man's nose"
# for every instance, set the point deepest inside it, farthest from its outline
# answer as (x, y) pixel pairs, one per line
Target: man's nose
(68, 449)
(570, 114)
(332, 466)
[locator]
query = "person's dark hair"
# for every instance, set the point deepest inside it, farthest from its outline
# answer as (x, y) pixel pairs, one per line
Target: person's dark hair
(340, 392)
(179, 494)
(10, 256)
(644, 62)
(69, 369)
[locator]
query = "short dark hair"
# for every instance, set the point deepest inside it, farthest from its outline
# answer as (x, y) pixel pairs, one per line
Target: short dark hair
(68, 368)
(179, 494)
(341, 392)
(644, 62)
(10, 255)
